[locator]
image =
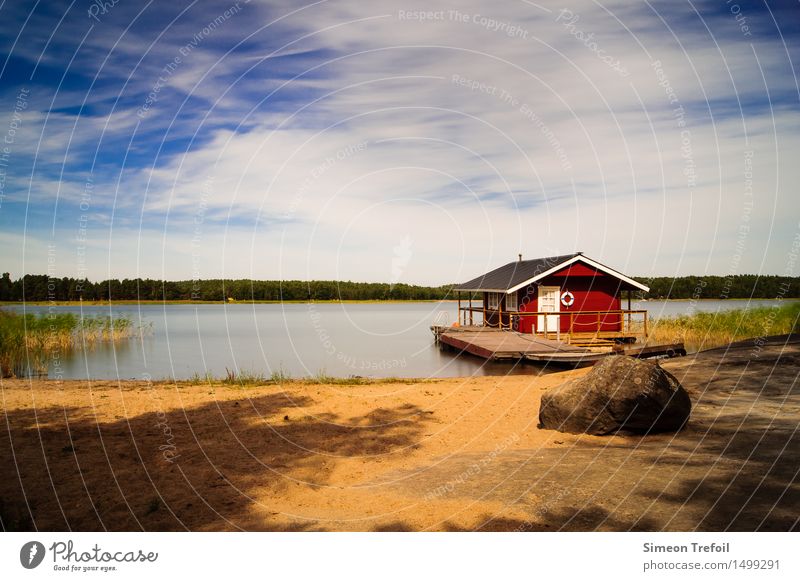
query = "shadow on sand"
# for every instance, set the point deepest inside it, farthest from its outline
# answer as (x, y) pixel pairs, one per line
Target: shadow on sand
(194, 469)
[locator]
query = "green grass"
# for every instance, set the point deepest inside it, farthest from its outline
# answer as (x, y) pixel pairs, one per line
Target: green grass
(322, 378)
(29, 342)
(280, 377)
(232, 377)
(195, 379)
(707, 330)
(243, 377)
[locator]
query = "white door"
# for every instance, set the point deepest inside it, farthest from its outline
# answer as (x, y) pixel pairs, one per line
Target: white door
(548, 303)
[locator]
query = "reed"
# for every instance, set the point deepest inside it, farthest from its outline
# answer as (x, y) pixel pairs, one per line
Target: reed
(28, 343)
(91, 330)
(708, 330)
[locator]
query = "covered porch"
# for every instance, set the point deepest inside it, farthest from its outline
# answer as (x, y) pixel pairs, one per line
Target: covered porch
(584, 327)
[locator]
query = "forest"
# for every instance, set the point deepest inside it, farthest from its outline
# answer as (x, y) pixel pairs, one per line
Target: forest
(740, 286)
(41, 288)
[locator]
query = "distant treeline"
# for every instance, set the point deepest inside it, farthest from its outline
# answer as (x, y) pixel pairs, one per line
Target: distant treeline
(740, 286)
(43, 288)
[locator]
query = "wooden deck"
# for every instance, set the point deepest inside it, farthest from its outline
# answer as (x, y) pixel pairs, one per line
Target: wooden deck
(491, 343)
(497, 345)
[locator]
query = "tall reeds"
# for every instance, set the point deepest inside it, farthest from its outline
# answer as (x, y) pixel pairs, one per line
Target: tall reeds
(707, 330)
(29, 342)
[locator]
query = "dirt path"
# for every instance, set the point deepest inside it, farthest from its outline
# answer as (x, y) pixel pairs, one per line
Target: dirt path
(456, 454)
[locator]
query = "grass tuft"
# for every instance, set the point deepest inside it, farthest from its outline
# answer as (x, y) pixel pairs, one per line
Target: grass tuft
(197, 379)
(232, 377)
(280, 376)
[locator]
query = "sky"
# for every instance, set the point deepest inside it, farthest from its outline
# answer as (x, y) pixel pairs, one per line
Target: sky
(418, 142)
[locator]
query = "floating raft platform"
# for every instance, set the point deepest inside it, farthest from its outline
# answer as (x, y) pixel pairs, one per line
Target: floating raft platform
(505, 345)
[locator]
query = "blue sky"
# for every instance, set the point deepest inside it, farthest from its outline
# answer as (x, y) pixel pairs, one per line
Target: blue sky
(422, 142)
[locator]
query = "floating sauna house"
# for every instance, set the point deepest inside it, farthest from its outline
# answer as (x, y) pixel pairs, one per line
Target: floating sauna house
(557, 308)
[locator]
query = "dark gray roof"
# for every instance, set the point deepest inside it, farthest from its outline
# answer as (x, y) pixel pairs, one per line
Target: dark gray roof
(513, 273)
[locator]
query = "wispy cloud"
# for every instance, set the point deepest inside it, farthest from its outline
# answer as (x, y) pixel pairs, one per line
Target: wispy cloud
(648, 136)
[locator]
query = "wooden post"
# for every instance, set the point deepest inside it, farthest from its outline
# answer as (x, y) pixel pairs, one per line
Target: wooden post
(500, 312)
(597, 330)
(569, 333)
(558, 327)
(458, 316)
(629, 311)
(645, 325)
(470, 309)
(484, 309)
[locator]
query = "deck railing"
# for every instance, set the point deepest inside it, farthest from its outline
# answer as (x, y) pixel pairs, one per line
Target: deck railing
(573, 324)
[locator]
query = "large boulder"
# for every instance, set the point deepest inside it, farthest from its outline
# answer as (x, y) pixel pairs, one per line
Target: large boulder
(619, 394)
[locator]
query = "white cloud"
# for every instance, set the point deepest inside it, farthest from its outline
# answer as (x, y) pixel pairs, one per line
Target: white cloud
(551, 151)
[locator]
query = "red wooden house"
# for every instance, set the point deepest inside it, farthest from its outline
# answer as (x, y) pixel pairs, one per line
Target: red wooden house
(571, 296)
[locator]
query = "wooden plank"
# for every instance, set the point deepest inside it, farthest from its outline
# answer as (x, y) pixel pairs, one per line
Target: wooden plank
(496, 344)
(566, 358)
(468, 346)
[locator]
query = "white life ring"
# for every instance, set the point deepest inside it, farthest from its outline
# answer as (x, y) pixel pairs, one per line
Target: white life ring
(567, 299)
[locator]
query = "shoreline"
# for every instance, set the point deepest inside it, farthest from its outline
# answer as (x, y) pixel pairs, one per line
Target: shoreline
(455, 454)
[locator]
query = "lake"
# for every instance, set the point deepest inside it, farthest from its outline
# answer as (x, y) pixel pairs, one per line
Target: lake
(338, 339)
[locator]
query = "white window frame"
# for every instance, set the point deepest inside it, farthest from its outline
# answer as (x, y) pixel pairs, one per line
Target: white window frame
(493, 301)
(512, 304)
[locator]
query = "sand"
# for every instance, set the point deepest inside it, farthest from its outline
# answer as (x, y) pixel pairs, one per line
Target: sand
(451, 454)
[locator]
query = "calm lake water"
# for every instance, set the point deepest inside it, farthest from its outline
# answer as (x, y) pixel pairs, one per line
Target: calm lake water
(370, 340)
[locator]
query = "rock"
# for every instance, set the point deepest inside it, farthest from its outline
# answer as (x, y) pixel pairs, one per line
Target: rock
(619, 394)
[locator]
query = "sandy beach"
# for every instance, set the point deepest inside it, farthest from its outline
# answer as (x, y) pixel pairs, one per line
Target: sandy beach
(442, 455)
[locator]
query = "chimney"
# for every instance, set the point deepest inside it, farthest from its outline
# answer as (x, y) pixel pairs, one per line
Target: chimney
(520, 257)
